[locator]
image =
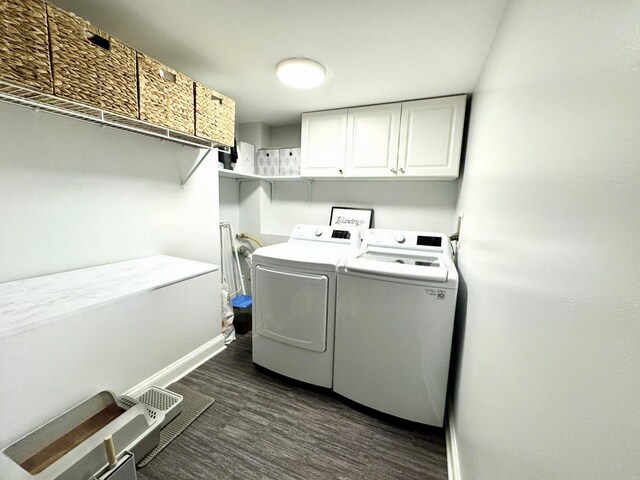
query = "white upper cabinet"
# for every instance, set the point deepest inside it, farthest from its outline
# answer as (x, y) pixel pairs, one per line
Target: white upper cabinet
(431, 137)
(418, 139)
(372, 141)
(324, 144)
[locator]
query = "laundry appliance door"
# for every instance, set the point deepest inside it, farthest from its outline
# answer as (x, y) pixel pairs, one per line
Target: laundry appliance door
(291, 307)
(392, 346)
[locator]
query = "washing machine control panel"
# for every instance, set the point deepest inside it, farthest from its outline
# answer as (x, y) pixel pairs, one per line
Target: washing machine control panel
(405, 239)
(429, 240)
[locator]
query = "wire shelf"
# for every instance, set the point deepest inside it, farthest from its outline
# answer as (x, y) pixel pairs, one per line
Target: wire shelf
(26, 97)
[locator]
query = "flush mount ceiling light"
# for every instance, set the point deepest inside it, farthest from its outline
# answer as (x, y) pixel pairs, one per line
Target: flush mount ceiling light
(300, 72)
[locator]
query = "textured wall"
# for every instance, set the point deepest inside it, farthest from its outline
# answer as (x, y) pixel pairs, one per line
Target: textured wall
(548, 380)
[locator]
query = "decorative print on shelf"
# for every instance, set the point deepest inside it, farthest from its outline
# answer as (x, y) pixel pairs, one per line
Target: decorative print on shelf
(356, 217)
(290, 162)
(269, 162)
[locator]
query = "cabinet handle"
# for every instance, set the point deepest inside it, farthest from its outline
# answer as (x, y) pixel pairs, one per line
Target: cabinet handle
(393, 170)
(401, 170)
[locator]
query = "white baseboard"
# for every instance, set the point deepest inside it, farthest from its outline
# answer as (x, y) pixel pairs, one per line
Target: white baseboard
(181, 367)
(453, 461)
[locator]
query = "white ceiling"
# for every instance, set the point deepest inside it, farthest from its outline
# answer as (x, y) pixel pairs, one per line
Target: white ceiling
(375, 51)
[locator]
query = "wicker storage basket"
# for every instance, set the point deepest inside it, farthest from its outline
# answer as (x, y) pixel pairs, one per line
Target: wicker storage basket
(215, 116)
(91, 67)
(24, 44)
(166, 96)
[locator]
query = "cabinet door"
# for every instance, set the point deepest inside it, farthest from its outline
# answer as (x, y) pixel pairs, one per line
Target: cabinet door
(324, 142)
(372, 141)
(431, 137)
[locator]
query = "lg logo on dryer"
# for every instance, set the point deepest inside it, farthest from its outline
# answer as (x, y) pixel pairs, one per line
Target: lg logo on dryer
(439, 294)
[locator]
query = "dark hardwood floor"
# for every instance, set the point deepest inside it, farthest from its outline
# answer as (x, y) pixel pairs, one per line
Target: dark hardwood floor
(264, 426)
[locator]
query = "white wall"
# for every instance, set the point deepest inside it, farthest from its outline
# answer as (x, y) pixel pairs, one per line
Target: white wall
(287, 136)
(256, 133)
(411, 205)
(548, 379)
(229, 197)
(74, 195)
(264, 136)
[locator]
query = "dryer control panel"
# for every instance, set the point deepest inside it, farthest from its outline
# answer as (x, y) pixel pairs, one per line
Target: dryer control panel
(341, 234)
(346, 235)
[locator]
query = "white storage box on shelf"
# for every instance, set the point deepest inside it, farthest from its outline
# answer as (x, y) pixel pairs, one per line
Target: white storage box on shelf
(290, 162)
(269, 162)
(246, 158)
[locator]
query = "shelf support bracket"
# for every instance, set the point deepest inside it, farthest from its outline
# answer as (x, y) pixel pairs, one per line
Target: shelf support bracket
(196, 164)
(309, 182)
(240, 180)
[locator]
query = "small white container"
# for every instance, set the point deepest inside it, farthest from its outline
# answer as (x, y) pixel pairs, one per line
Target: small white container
(246, 158)
(269, 162)
(290, 162)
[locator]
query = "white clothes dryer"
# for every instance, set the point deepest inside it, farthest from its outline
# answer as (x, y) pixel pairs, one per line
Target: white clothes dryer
(394, 324)
(294, 299)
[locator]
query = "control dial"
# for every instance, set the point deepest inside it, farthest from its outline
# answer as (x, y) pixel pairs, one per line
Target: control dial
(400, 238)
(318, 232)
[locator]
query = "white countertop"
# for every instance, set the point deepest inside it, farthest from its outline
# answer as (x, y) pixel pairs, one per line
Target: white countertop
(26, 304)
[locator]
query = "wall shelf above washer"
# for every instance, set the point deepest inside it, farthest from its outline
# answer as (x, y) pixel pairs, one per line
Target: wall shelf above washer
(224, 173)
(238, 175)
(250, 176)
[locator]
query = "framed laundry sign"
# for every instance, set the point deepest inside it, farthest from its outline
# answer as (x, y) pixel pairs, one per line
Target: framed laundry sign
(357, 217)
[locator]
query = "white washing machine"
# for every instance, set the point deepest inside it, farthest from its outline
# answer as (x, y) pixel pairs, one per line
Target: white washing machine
(394, 324)
(294, 300)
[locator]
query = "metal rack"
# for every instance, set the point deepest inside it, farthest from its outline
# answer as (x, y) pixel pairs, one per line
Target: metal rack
(39, 101)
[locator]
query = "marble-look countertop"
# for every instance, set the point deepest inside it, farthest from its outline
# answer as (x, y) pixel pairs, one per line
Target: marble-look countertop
(29, 303)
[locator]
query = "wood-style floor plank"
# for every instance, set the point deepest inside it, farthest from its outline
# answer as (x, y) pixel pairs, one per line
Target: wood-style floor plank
(263, 426)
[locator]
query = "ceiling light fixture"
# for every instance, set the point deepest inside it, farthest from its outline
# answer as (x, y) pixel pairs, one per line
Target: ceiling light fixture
(301, 72)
